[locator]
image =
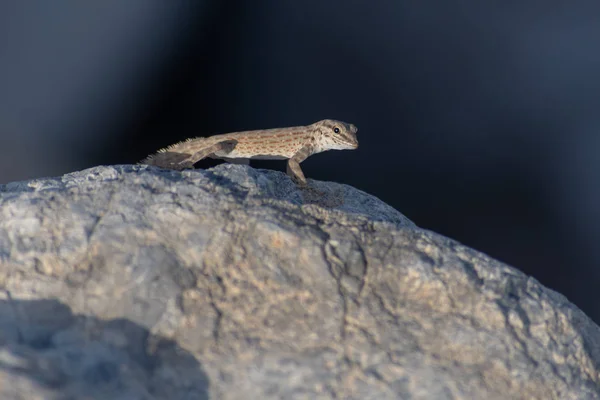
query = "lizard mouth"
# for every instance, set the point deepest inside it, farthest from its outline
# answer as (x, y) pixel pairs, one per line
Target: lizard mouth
(351, 145)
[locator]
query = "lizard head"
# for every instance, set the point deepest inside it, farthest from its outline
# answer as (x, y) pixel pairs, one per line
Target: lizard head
(337, 135)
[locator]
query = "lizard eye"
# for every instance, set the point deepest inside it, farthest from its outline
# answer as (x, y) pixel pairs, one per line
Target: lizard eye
(336, 129)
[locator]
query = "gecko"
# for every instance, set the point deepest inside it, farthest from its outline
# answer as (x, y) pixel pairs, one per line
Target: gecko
(294, 144)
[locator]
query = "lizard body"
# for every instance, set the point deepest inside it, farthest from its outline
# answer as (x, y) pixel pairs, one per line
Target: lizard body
(294, 144)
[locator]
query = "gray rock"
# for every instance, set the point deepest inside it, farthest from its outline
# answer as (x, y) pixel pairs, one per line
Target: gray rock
(131, 282)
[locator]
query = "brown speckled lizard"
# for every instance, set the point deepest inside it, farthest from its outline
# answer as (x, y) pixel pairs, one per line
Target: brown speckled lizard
(294, 144)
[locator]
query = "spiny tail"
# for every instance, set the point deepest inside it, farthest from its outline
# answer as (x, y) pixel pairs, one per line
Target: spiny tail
(173, 157)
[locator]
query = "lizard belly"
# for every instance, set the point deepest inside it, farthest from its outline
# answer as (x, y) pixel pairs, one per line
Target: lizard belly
(243, 150)
(268, 157)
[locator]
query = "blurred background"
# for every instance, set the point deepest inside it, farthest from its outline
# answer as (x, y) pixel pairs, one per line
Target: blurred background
(479, 121)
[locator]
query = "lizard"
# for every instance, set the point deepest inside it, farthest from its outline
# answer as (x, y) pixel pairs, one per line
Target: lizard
(294, 144)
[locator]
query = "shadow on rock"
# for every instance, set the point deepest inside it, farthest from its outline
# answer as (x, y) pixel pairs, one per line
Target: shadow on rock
(48, 352)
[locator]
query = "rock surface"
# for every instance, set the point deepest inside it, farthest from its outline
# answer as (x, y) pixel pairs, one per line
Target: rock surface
(131, 282)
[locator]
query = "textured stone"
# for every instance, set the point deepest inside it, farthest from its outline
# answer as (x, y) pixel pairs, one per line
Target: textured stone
(131, 282)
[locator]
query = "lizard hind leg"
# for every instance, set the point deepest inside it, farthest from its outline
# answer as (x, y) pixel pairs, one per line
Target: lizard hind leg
(225, 146)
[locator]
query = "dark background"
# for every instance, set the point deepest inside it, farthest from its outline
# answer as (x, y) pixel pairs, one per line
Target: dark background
(479, 121)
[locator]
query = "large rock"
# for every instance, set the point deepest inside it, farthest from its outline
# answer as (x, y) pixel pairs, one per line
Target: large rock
(131, 282)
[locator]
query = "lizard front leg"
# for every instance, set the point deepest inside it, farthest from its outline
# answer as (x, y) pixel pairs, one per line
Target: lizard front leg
(293, 166)
(225, 146)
